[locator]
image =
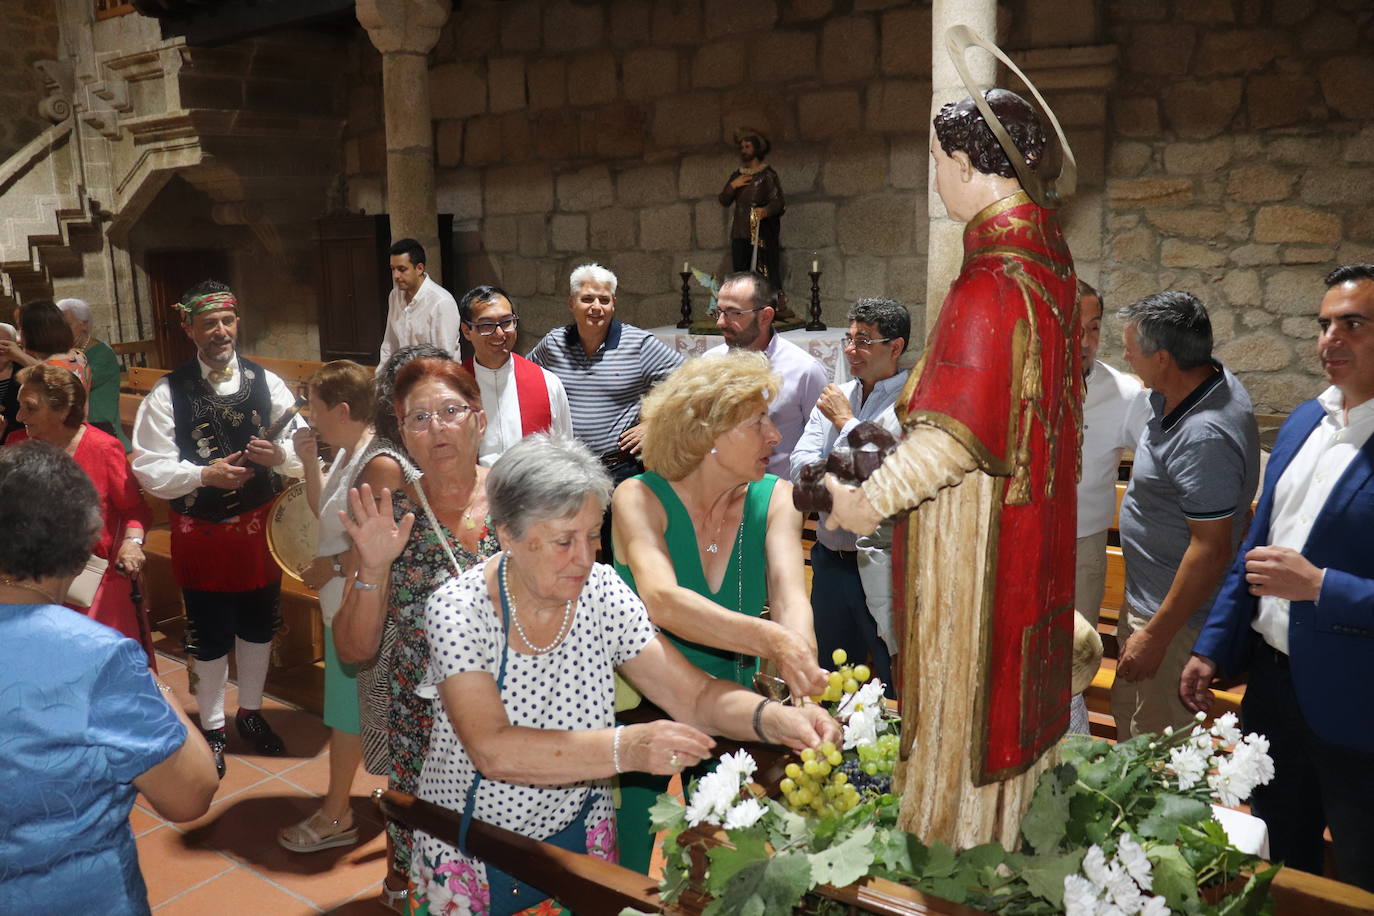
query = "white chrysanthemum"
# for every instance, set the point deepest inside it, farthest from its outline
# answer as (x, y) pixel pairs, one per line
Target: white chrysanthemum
(1155, 906)
(1107, 908)
(1080, 896)
(1132, 857)
(745, 814)
(1122, 889)
(862, 727)
(715, 793)
(1187, 763)
(739, 763)
(1238, 773)
(1224, 728)
(869, 696)
(1095, 867)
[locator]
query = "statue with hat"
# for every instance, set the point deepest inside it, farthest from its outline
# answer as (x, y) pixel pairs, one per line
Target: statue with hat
(984, 481)
(754, 191)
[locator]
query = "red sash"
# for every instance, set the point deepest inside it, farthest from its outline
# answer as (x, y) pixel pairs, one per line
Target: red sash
(227, 556)
(536, 413)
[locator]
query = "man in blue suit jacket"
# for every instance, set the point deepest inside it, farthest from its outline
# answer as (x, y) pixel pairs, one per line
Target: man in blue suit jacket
(1297, 610)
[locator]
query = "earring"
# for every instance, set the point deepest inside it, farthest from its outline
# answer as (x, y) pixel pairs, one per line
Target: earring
(713, 451)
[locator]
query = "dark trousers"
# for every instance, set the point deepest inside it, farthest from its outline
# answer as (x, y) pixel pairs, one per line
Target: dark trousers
(840, 612)
(1316, 784)
(620, 472)
(213, 619)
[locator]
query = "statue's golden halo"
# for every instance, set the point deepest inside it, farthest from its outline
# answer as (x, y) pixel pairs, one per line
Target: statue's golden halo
(1047, 191)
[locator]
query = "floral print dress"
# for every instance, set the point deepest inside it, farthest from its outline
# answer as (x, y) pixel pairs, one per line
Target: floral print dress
(420, 569)
(569, 688)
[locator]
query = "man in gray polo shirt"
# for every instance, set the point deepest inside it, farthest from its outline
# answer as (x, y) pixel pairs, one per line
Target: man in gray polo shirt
(1186, 509)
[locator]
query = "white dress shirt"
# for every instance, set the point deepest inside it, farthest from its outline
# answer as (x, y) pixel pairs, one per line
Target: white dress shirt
(157, 462)
(1116, 408)
(1303, 489)
(501, 402)
(802, 380)
(431, 317)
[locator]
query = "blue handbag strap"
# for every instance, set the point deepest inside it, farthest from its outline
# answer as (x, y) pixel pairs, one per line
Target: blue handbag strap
(500, 683)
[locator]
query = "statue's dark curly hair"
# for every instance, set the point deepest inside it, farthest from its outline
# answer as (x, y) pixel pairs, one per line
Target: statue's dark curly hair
(960, 127)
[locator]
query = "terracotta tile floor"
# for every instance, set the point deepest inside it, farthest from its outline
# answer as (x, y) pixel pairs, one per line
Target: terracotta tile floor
(229, 862)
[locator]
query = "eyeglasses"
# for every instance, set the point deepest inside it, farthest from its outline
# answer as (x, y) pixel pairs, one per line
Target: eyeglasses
(448, 415)
(488, 328)
(863, 343)
(731, 314)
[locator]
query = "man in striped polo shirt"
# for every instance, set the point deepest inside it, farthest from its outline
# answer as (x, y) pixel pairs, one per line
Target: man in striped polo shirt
(605, 366)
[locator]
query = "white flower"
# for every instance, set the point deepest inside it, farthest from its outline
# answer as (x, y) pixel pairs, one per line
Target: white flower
(739, 763)
(1122, 889)
(1225, 729)
(862, 727)
(745, 814)
(1238, 773)
(715, 793)
(1132, 858)
(1095, 867)
(1187, 763)
(869, 696)
(1110, 909)
(1080, 896)
(1155, 906)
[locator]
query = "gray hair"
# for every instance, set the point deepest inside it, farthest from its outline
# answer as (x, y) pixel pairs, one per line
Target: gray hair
(591, 273)
(77, 308)
(889, 316)
(1175, 322)
(541, 478)
(8, 331)
(52, 512)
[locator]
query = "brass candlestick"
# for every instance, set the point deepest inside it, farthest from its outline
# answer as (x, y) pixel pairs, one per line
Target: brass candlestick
(686, 321)
(815, 324)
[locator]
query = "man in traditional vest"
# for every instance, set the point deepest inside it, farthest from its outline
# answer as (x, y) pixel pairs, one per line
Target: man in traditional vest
(197, 445)
(519, 397)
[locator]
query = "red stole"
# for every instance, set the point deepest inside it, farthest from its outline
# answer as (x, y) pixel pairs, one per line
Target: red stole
(536, 413)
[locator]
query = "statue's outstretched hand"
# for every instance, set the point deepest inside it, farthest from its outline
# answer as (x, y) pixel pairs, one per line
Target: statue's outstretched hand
(850, 508)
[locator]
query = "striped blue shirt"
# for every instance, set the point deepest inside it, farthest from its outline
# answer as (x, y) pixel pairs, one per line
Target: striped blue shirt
(604, 389)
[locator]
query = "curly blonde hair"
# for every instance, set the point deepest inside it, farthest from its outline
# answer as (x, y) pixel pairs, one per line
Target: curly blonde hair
(696, 404)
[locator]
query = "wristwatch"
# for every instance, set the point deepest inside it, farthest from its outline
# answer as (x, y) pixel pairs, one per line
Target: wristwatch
(137, 539)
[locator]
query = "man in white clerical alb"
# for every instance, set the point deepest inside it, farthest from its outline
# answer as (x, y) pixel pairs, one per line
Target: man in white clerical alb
(518, 397)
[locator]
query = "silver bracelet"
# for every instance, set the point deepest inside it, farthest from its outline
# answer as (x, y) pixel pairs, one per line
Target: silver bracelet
(758, 719)
(362, 586)
(615, 748)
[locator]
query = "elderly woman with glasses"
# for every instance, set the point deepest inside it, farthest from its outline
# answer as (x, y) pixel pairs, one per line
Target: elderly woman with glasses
(524, 649)
(440, 420)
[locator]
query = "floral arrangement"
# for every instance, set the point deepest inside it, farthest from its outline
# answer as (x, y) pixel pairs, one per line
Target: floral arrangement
(1113, 830)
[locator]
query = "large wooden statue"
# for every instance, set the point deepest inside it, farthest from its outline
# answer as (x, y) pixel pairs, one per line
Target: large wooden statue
(988, 468)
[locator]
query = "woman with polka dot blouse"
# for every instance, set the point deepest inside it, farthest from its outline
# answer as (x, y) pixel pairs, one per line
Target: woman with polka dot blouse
(545, 742)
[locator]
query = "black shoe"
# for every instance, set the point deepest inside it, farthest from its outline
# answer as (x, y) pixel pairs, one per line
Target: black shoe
(216, 738)
(254, 729)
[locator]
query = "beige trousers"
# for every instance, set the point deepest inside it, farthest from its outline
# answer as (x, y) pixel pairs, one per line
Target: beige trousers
(1150, 705)
(1090, 575)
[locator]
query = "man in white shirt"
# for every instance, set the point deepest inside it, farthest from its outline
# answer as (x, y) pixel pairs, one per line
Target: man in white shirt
(1296, 612)
(1115, 410)
(196, 444)
(744, 312)
(853, 611)
(418, 310)
(519, 398)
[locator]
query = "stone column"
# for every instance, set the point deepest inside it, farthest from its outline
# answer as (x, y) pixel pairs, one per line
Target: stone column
(404, 31)
(946, 246)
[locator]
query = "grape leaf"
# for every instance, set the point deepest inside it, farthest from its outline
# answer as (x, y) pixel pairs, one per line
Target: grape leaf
(1045, 820)
(667, 813)
(1251, 899)
(939, 861)
(899, 853)
(951, 889)
(775, 885)
(1174, 878)
(846, 862)
(727, 861)
(1168, 813)
(786, 827)
(1045, 874)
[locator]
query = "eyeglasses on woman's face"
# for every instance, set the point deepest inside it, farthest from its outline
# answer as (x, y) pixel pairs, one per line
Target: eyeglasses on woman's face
(451, 414)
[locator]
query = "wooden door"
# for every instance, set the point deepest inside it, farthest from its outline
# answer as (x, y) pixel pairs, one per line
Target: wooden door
(171, 273)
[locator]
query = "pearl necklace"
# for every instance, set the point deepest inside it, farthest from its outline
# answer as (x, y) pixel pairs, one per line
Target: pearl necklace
(515, 617)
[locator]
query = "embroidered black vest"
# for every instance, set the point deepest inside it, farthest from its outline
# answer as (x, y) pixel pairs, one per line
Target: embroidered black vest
(210, 426)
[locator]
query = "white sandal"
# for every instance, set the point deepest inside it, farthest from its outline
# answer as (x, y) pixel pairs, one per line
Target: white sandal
(396, 900)
(317, 832)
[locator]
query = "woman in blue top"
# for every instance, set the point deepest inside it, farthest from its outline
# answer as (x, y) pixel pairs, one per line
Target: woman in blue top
(706, 538)
(86, 727)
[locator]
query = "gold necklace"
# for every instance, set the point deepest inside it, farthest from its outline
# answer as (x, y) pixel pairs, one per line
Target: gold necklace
(11, 582)
(469, 522)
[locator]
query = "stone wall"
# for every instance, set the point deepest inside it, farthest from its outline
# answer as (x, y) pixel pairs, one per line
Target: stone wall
(1242, 169)
(570, 131)
(30, 30)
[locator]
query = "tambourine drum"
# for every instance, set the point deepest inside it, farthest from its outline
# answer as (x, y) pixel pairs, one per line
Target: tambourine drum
(292, 530)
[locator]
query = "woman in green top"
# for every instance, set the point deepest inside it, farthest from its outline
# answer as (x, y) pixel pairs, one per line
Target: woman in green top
(707, 538)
